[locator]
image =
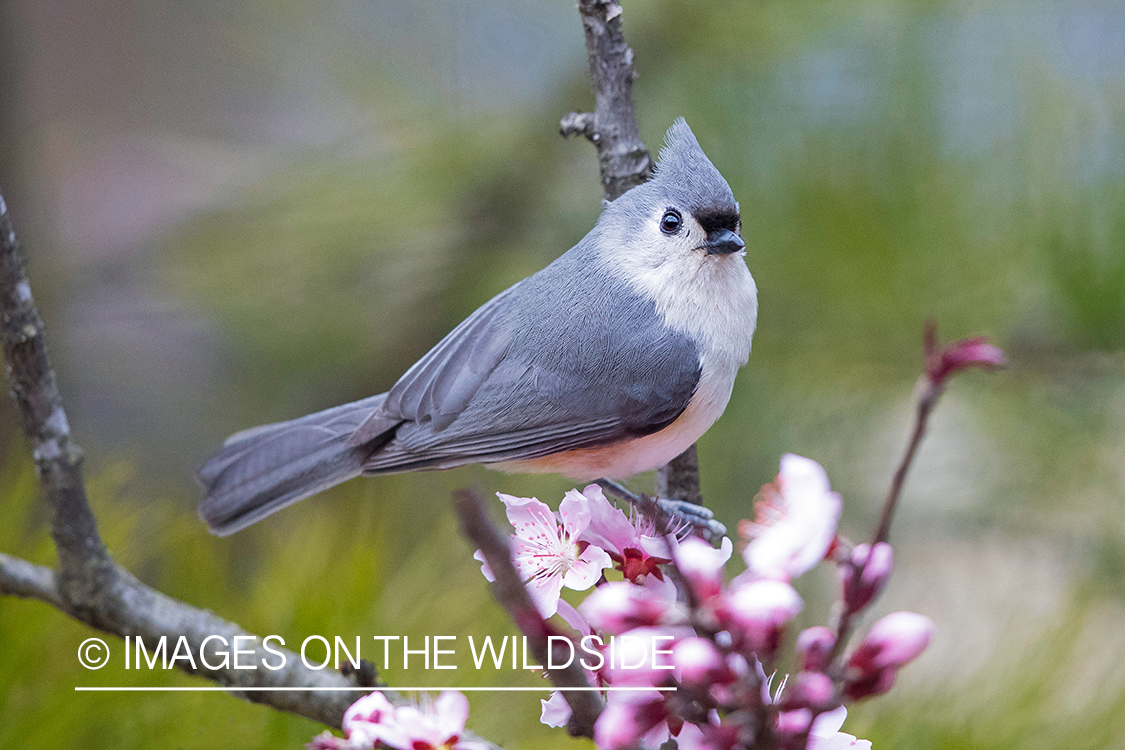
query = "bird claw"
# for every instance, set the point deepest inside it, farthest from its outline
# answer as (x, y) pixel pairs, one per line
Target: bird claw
(698, 517)
(678, 512)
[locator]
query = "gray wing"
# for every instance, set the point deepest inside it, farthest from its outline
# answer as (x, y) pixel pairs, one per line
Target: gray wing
(538, 370)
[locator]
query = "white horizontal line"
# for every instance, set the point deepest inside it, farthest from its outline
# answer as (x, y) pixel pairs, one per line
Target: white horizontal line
(233, 689)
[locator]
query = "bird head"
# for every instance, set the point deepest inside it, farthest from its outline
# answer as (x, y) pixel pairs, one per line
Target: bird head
(686, 211)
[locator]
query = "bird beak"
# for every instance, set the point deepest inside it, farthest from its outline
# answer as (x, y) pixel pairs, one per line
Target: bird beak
(723, 242)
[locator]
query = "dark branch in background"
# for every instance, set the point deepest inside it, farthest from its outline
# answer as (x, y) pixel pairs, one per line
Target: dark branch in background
(623, 161)
(585, 705)
(89, 585)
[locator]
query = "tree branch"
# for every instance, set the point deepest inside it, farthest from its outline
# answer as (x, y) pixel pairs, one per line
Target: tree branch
(89, 585)
(29, 581)
(509, 590)
(623, 162)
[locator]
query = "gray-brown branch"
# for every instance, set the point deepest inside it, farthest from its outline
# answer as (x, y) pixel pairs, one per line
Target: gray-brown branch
(623, 161)
(88, 584)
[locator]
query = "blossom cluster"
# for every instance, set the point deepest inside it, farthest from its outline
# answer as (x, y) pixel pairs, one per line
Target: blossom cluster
(711, 684)
(679, 651)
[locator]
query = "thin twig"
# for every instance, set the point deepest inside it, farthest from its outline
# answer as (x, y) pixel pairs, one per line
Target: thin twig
(510, 592)
(845, 617)
(926, 403)
(929, 393)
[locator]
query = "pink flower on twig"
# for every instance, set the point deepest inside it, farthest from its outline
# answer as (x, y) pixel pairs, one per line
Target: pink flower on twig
(633, 544)
(549, 556)
(795, 521)
(701, 565)
(824, 734)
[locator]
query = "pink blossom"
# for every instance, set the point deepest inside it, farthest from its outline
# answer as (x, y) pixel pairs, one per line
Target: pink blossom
(619, 606)
(892, 642)
(708, 737)
(795, 521)
(826, 734)
(555, 711)
(702, 565)
(809, 690)
(374, 721)
(691, 738)
(326, 741)
(868, 573)
(571, 617)
(437, 727)
(756, 611)
(634, 545)
(549, 556)
(699, 662)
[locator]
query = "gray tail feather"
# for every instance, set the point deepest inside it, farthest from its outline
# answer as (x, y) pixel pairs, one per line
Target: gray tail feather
(263, 469)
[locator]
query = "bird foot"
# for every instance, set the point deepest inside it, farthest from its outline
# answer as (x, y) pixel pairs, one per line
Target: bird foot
(670, 514)
(698, 517)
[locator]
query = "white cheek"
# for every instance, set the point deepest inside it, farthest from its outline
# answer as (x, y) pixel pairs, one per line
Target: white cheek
(710, 298)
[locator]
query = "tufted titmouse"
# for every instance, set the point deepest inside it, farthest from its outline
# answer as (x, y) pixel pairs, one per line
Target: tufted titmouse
(610, 361)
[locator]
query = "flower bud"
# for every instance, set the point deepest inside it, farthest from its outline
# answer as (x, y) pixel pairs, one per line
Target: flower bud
(864, 578)
(701, 565)
(867, 684)
(619, 606)
(814, 647)
(699, 662)
(893, 642)
(810, 690)
(756, 612)
(943, 361)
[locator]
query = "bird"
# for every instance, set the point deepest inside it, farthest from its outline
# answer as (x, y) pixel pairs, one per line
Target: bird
(610, 361)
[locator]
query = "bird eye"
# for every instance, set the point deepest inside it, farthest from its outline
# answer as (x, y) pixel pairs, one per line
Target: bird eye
(671, 221)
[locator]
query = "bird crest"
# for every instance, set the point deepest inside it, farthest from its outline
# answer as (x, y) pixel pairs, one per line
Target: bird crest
(689, 176)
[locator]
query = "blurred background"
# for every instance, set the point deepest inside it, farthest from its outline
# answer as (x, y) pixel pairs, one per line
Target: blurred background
(242, 212)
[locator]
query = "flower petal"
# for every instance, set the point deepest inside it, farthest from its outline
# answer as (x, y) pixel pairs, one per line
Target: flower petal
(609, 527)
(587, 570)
(556, 711)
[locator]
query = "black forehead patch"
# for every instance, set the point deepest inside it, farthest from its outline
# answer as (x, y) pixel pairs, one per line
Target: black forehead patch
(713, 220)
